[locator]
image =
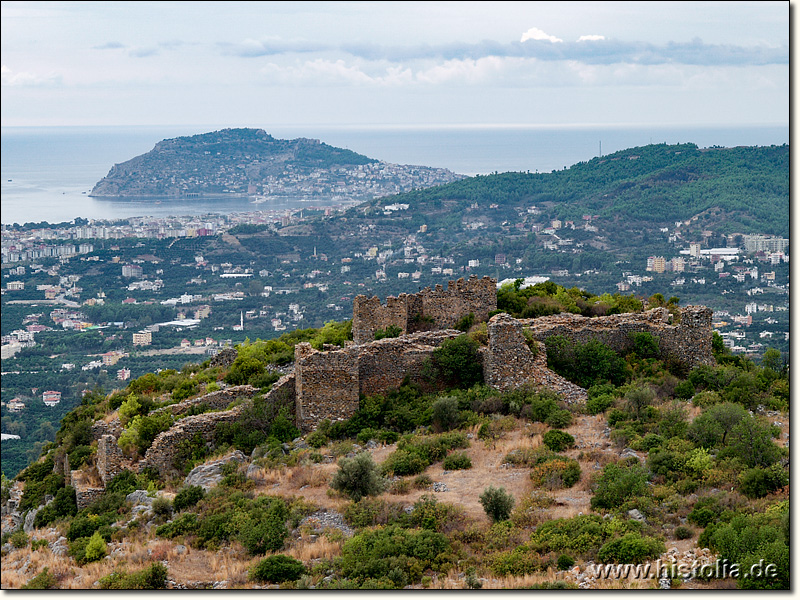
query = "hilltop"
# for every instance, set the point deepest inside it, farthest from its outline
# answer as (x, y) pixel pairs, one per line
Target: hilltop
(250, 162)
(510, 453)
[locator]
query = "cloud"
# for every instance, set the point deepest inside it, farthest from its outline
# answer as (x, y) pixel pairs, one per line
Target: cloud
(270, 46)
(143, 52)
(9, 78)
(110, 46)
(589, 49)
(537, 34)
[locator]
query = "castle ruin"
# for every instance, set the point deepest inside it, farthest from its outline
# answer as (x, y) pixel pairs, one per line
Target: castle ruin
(328, 383)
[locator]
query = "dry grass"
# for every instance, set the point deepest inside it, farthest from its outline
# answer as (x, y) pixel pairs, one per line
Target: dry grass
(306, 550)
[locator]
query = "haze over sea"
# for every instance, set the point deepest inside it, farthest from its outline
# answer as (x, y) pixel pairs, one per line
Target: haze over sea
(48, 172)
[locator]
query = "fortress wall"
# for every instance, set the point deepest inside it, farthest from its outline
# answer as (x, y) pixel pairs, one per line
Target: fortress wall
(413, 312)
(215, 400)
(326, 385)
(109, 458)
(385, 363)
(509, 363)
(688, 342)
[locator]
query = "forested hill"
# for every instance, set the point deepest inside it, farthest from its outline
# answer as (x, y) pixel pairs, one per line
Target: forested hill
(742, 189)
(250, 161)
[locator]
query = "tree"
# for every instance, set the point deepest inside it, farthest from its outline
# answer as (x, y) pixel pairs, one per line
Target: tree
(772, 360)
(497, 503)
(358, 477)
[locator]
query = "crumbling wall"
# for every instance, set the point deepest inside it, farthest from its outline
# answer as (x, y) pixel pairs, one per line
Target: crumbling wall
(382, 365)
(688, 342)
(164, 449)
(214, 400)
(436, 308)
(109, 458)
(326, 384)
(509, 363)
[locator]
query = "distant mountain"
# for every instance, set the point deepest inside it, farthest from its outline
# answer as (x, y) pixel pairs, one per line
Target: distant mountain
(250, 162)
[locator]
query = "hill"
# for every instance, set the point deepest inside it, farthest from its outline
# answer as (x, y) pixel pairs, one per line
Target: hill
(247, 162)
(201, 478)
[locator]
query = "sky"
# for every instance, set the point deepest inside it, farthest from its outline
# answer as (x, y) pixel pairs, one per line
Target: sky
(396, 64)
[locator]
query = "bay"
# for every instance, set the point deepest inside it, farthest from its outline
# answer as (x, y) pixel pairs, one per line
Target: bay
(48, 172)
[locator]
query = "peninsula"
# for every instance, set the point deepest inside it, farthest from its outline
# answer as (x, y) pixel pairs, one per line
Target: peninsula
(250, 162)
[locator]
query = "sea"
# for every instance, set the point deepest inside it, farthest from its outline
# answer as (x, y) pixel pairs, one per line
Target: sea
(48, 172)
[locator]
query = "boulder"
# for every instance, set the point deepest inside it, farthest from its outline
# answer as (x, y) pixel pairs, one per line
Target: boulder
(209, 474)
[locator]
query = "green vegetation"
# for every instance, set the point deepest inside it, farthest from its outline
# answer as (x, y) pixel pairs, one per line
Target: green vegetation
(277, 569)
(358, 477)
(497, 503)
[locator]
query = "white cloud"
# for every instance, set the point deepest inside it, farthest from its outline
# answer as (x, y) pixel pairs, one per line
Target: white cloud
(535, 33)
(21, 79)
(591, 38)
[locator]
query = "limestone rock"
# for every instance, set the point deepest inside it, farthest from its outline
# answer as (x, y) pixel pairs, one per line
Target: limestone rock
(210, 474)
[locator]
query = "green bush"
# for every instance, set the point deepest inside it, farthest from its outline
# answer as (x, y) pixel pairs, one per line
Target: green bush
(19, 539)
(617, 484)
(153, 577)
(758, 482)
(185, 524)
(187, 496)
(557, 440)
(63, 505)
(684, 390)
(645, 345)
(162, 507)
(393, 554)
(557, 472)
(44, 580)
(581, 535)
(277, 569)
(446, 415)
(431, 514)
(392, 331)
(683, 533)
(358, 477)
(456, 461)
(124, 482)
(373, 511)
(79, 455)
(559, 419)
(565, 562)
(458, 361)
(598, 404)
(632, 548)
(584, 364)
(497, 503)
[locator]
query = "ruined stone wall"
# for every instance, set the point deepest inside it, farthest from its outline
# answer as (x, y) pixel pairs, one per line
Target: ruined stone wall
(215, 400)
(109, 458)
(84, 496)
(437, 308)
(164, 448)
(509, 363)
(326, 384)
(688, 342)
(384, 364)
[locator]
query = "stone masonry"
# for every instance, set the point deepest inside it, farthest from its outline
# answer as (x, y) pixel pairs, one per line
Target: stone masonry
(688, 342)
(437, 308)
(329, 384)
(509, 363)
(109, 458)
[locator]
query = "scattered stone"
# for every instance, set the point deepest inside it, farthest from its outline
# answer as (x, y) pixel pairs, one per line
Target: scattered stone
(439, 486)
(636, 515)
(210, 474)
(326, 519)
(664, 583)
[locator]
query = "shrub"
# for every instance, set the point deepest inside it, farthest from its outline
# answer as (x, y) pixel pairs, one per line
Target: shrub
(599, 404)
(316, 439)
(405, 462)
(162, 507)
(456, 461)
(758, 482)
(684, 390)
(565, 562)
(706, 399)
(557, 440)
(559, 419)
(124, 483)
(373, 511)
(645, 345)
(497, 503)
(458, 361)
(96, 548)
(79, 455)
(277, 569)
(632, 548)
(431, 514)
(392, 331)
(185, 524)
(584, 364)
(446, 413)
(188, 496)
(153, 577)
(357, 477)
(683, 533)
(42, 581)
(559, 472)
(617, 484)
(422, 482)
(64, 505)
(19, 539)
(465, 322)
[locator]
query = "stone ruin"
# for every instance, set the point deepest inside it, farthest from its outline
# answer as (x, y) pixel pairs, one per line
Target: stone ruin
(429, 309)
(328, 384)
